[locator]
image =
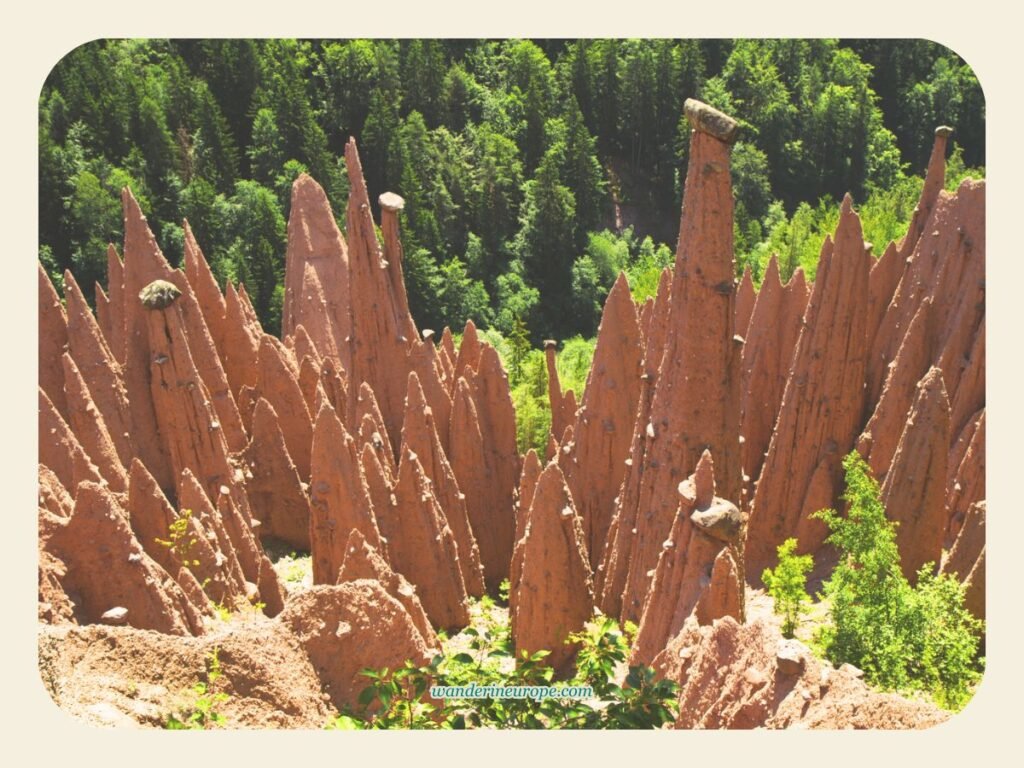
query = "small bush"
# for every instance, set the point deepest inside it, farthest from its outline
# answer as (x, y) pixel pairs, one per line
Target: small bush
(202, 713)
(787, 585)
(396, 699)
(903, 637)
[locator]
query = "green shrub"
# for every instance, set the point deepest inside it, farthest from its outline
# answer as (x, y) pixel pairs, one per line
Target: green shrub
(396, 699)
(787, 585)
(902, 637)
(202, 713)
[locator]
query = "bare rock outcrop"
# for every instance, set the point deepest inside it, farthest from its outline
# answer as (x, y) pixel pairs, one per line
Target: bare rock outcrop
(554, 595)
(362, 561)
(345, 628)
(736, 676)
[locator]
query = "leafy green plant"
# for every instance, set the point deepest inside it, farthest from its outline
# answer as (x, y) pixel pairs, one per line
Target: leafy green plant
(202, 713)
(903, 637)
(395, 699)
(179, 540)
(787, 585)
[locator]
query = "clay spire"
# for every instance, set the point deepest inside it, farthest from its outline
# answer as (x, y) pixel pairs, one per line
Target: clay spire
(966, 471)
(371, 428)
(604, 426)
(150, 516)
(696, 398)
(316, 243)
(419, 434)
(216, 560)
(188, 424)
(207, 292)
(313, 315)
(468, 356)
(559, 418)
(380, 325)
(424, 361)
(339, 499)
(102, 312)
(767, 354)
(144, 263)
(822, 405)
(915, 488)
(59, 449)
(275, 491)
(241, 344)
(612, 572)
(877, 444)
(118, 304)
(699, 569)
(448, 355)
(422, 547)
(53, 340)
(390, 206)
(554, 595)
(934, 182)
(99, 369)
(485, 462)
(966, 559)
(281, 389)
(89, 427)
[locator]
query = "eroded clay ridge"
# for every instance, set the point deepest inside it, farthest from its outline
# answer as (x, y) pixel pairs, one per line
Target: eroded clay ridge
(176, 436)
(173, 416)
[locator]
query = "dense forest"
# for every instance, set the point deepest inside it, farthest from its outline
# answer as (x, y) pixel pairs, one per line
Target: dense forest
(533, 171)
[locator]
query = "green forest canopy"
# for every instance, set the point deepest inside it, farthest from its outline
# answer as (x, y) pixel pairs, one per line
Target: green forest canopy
(533, 171)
